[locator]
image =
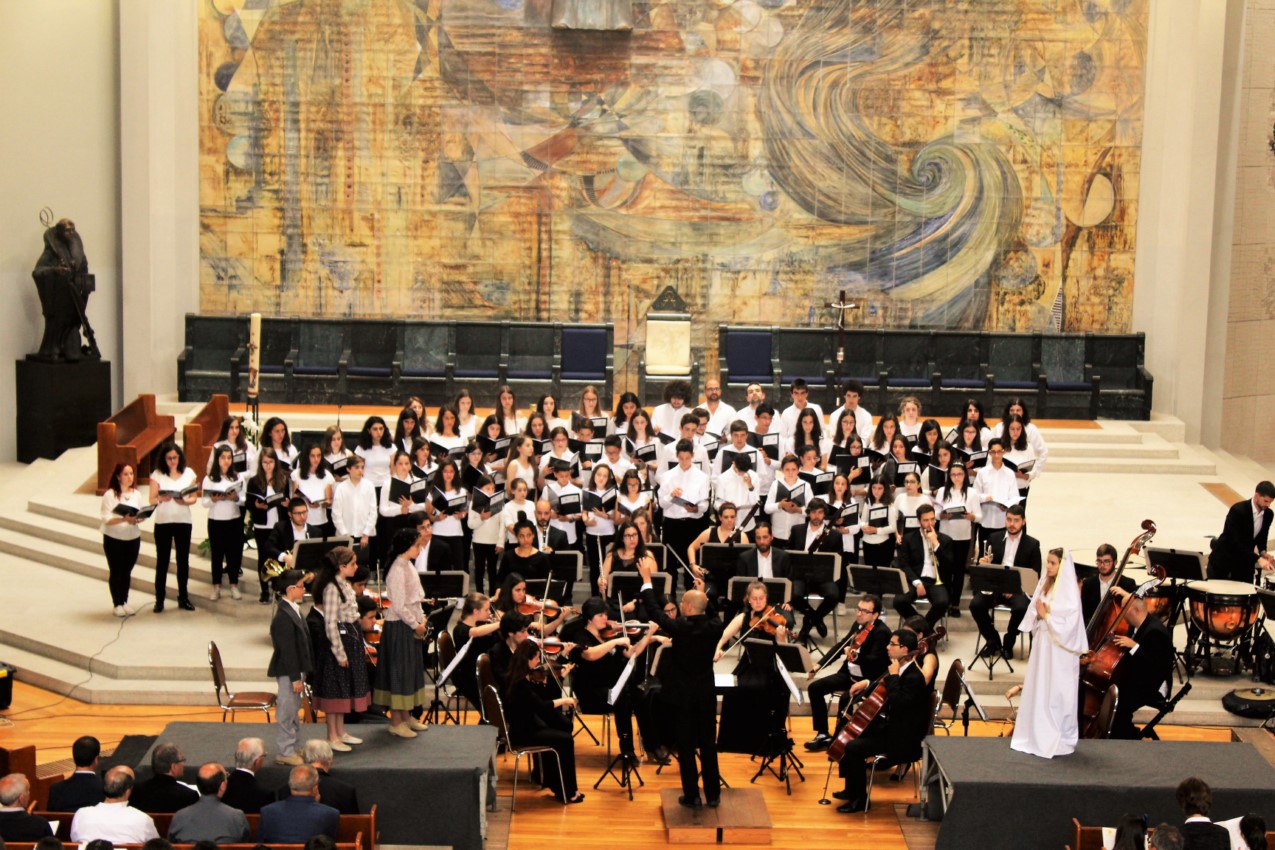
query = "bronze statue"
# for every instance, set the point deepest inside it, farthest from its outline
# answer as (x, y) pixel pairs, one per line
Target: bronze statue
(62, 278)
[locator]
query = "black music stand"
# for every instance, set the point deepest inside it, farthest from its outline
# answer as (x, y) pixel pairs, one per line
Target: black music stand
(1181, 566)
(971, 701)
(447, 584)
(565, 568)
(882, 581)
(779, 746)
(629, 585)
(436, 623)
(721, 559)
(997, 580)
(307, 553)
(1084, 571)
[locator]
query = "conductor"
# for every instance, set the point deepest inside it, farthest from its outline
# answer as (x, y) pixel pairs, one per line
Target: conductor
(687, 674)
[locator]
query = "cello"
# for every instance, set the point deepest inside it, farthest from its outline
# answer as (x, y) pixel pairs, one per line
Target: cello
(1102, 666)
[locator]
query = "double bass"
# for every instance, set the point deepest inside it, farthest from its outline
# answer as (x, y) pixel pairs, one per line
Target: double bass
(1103, 665)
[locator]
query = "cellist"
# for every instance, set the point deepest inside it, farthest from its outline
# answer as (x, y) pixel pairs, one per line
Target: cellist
(899, 735)
(1149, 663)
(865, 658)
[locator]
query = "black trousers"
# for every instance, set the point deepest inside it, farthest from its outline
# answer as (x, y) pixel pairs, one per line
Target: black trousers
(955, 577)
(225, 544)
(260, 535)
(853, 768)
(121, 557)
(696, 734)
(937, 595)
(828, 590)
(594, 547)
(168, 535)
(818, 692)
(456, 546)
(982, 610)
(485, 563)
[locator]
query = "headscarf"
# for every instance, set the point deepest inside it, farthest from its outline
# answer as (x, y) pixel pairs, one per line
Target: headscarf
(1066, 624)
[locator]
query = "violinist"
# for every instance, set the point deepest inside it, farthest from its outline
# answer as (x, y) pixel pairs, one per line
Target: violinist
(925, 555)
(514, 629)
(764, 561)
(898, 736)
(369, 628)
(627, 551)
(512, 597)
(1150, 663)
(686, 671)
(758, 706)
(477, 626)
(600, 660)
(724, 532)
(815, 535)
(928, 660)
(865, 658)
(1095, 588)
(536, 721)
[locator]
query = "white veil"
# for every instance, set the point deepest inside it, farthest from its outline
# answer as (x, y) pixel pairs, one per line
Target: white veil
(1066, 622)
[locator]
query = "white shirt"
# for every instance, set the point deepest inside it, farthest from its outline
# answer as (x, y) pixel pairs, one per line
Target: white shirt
(354, 508)
(694, 486)
(172, 510)
(667, 419)
(1011, 547)
(812, 536)
(509, 516)
(1034, 439)
(118, 823)
(1002, 486)
(669, 460)
(721, 464)
(731, 488)
(120, 530)
(782, 521)
(719, 420)
(748, 414)
(376, 464)
(1258, 515)
(567, 527)
(788, 419)
(225, 508)
(313, 488)
(391, 507)
(764, 568)
(447, 525)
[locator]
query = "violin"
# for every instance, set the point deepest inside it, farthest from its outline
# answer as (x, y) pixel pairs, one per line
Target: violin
(632, 628)
(533, 607)
(769, 621)
(860, 639)
(552, 648)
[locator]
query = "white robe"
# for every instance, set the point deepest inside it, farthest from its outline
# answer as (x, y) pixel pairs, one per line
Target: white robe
(1047, 724)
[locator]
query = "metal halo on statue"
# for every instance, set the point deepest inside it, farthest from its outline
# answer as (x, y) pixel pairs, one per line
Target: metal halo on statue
(47, 217)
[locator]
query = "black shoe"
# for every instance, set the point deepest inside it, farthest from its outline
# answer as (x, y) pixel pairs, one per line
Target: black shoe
(804, 634)
(159, 607)
(690, 803)
(265, 599)
(819, 742)
(989, 649)
(1007, 652)
(841, 795)
(954, 611)
(185, 605)
(715, 802)
(821, 627)
(852, 806)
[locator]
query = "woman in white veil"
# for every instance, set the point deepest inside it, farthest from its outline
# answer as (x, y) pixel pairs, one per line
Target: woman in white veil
(1048, 723)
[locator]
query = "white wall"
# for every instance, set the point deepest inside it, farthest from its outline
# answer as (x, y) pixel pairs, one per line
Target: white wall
(60, 149)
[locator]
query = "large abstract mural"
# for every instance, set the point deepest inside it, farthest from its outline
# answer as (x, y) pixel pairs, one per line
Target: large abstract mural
(947, 163)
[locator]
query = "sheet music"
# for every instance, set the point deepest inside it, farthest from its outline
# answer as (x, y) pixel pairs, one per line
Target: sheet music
(724, 680)
(614, 693)
(450, 667)
(787, 677)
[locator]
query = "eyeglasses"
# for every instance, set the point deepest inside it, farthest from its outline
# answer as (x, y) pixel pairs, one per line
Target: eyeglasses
(865, 611)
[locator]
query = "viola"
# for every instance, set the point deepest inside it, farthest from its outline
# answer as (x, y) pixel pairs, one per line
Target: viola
(859, 640)
(871, 705)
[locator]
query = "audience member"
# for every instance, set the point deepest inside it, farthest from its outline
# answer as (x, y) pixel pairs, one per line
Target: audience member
(83, 787)
(243, 791)
(1166, 837)
(301, 816)
(333, 792)
(208, 818)
(50, 842)
(99, 844)
(321, 842)
(163, 792)
(158, 844)
(204, 845)
(1131, 834)
(1253, 831)
(16, 823)
(1195, 798)
(114, 819)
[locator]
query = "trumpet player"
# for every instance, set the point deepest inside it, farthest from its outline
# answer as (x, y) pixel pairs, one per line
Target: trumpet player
(925, 554)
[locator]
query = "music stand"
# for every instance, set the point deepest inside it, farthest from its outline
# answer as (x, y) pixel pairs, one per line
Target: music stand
(307, 553)
(997, 580)
(446, 584)
(971, 701)
(1179, 565)
(779, 746)
(882, 581)
(436, 623)
(660, 555)
(722, 558)
(629, 585)
(1084, 571)
(815, 569)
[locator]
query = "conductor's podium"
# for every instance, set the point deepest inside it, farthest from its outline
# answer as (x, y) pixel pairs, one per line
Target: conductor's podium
(742, 818)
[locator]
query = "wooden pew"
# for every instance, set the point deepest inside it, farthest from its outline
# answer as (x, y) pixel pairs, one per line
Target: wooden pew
(349, 829)
(23, 760)
(130, 436)
(1090, 837)
(200, 432)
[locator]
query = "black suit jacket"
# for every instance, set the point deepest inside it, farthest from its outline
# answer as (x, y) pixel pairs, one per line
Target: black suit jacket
(162, 794)
(282, 538)
(779, 566)
(293, 656)
(1232, 556)
(557, 539)
(1204, 836)
(439, 556)
(75, 792)
(1149, 667)
(333, 792)
(686, 667)
(909, 719)
(1028, 554)
(873, 659)
(797, 539)
(244, 792)
(912, 555)
(1089, 594)
(22, 826)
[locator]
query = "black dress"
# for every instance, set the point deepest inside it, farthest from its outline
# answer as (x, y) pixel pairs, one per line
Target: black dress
(465, 676)
(533, 721)
(592, 682)
(531, 569)
(756, 709)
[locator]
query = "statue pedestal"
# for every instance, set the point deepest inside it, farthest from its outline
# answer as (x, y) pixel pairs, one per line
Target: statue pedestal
(59, 406)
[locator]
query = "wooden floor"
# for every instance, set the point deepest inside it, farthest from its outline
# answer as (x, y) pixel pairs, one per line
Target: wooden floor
(605, 819)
